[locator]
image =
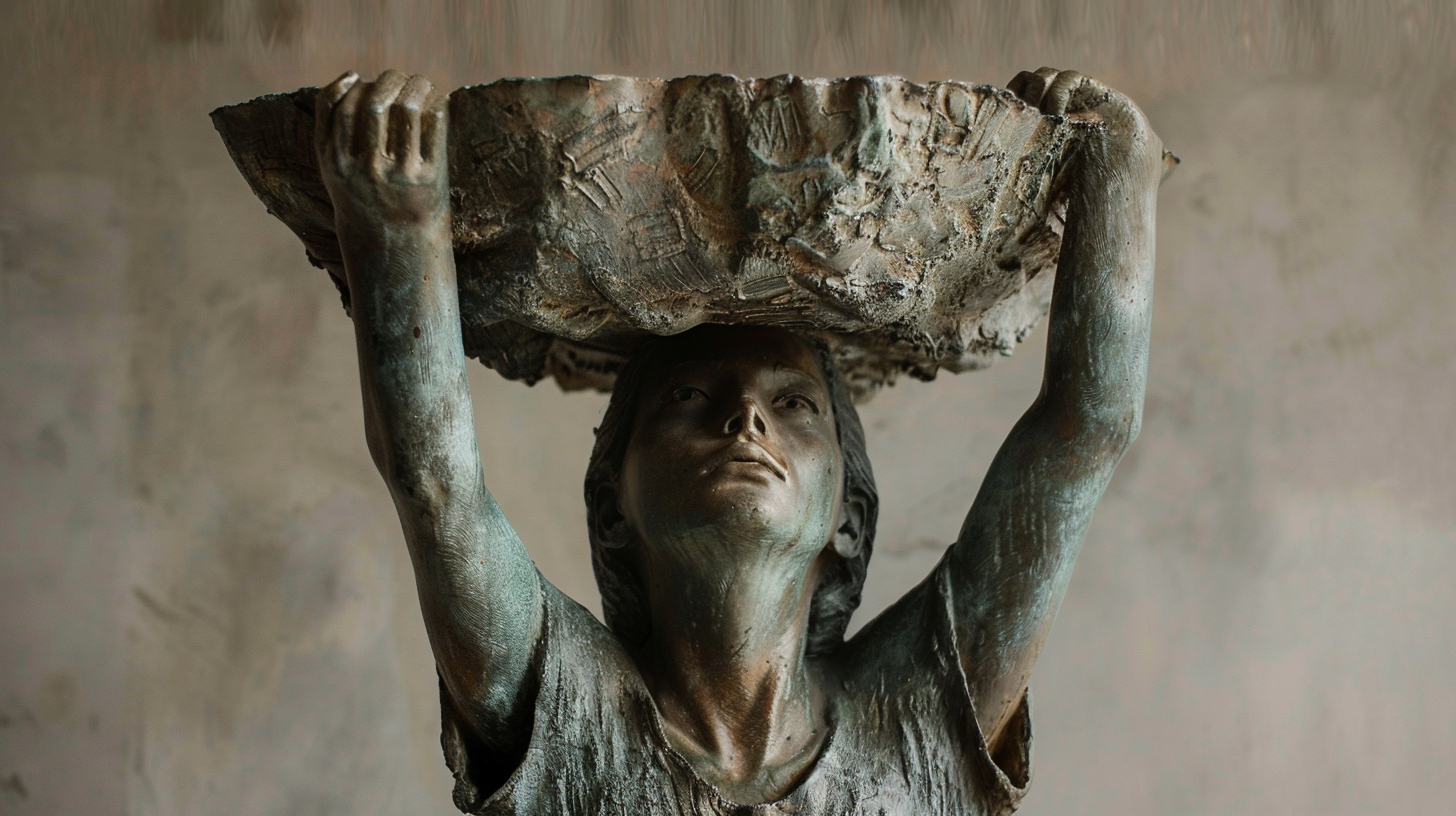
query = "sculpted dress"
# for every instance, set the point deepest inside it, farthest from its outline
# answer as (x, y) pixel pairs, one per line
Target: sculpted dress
(903, 739)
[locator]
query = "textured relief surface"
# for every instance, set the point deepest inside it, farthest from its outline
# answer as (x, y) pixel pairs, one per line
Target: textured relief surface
(915, 226)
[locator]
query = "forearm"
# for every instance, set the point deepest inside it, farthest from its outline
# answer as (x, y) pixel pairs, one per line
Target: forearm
(411, 360)
(1039, 492)
(1101, 315)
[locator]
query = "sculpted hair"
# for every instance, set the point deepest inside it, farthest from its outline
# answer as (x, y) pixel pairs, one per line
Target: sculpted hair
(624, 604)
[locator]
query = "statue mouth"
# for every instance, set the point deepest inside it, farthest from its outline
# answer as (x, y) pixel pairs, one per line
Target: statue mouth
(749, 453)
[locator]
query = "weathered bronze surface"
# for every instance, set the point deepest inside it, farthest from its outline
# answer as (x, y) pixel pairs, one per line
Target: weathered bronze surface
(909, 224)
(731, 507)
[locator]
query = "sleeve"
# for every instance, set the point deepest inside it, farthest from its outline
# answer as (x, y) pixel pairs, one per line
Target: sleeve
(476, 776)
(907, 660)
(586, 723)
(479, 772)
(1010, 763)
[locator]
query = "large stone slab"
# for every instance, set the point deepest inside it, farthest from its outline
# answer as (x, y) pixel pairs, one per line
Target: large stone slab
(914, 226)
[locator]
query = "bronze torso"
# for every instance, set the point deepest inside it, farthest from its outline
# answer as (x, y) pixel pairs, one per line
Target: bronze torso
(903, 739)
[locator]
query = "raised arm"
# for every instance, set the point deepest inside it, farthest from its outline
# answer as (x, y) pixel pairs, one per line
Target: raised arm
(381, 148)
(1013, 559)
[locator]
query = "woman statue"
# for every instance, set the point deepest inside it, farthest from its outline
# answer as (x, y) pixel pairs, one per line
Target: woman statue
(731, 510)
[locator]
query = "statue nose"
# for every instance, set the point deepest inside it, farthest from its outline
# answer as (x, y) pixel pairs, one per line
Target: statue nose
(745, 416)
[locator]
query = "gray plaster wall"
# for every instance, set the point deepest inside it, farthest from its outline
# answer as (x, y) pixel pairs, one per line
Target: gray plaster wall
(205, 604)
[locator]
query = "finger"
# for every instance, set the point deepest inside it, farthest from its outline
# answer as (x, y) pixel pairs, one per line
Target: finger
(433, 130)
(345, 116)
(1037, 89)
(373, 123)
(330, 94)
(1020, 83)
(1034, 84)
(1059, 92)
(323, 110)
(404, 138)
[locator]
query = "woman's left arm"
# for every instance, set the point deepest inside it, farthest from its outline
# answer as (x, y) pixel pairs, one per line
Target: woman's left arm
(1010, 566)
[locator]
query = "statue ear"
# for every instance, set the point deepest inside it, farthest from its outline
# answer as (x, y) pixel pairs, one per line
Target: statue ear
(610, 526)
(849, 538)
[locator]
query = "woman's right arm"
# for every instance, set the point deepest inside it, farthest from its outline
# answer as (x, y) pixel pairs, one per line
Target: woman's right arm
(382, 152)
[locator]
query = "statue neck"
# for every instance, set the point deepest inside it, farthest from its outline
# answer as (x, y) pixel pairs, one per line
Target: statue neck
(726, 666)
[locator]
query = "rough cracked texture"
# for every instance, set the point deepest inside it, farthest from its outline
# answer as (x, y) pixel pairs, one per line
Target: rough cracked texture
(913, 226)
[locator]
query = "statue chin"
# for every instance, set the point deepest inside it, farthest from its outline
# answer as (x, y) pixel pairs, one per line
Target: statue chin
(743, 517)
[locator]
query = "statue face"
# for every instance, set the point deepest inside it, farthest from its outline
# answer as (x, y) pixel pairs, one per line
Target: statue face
(733, 450)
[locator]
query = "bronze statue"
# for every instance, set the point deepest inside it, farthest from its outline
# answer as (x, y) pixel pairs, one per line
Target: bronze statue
(731, 511)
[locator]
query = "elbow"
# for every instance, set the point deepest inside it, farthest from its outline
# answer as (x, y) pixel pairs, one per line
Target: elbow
(428, 484)
(1107, 430)
(416, 488)
(411, 485)
(1134, 425)
(1115, 431)
(382, 452)
(374, 440)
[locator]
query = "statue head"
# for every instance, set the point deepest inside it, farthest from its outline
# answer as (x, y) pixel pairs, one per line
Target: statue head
(731, 443)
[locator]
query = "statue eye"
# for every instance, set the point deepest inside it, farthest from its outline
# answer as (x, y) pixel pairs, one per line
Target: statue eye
(686, 393)
(797, 402)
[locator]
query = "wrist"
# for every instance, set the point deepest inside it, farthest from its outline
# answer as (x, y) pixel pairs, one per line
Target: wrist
(362, 235)
(385, 254)
(381, 224)
(1130, 158)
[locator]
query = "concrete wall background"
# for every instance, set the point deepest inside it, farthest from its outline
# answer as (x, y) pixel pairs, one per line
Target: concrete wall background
(205, 607)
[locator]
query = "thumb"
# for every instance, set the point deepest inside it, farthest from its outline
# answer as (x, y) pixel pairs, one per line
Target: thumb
(324, 103)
